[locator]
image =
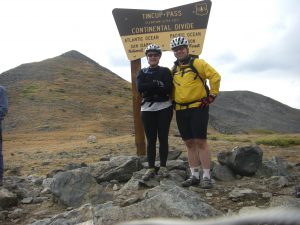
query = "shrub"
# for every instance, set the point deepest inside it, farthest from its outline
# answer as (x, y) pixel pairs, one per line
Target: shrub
(279, 141)
(31, 89)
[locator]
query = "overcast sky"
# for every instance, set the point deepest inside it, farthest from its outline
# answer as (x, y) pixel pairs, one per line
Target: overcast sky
(253, 44)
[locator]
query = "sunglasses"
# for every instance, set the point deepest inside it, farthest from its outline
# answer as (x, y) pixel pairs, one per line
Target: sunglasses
(179, 48)
(152, 55)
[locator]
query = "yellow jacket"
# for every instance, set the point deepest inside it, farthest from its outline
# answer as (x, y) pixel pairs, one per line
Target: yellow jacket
(188, 88)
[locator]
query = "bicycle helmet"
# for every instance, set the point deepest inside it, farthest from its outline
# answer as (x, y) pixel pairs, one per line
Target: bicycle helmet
(179, 41)
(152, 48)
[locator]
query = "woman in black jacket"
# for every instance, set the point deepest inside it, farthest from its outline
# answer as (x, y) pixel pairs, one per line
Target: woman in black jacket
(154, 83)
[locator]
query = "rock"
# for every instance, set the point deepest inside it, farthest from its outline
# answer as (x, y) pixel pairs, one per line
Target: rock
(7, 198)
(74, 188)
(17, 213)
(248, 210)
(242, 160)
(92, 139)
(27, 200)
(222, 173)
(285, 201)
(242, 194)
(119, 168)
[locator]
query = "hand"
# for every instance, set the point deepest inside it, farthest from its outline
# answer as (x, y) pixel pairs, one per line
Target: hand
(159, 83)
(208, 100)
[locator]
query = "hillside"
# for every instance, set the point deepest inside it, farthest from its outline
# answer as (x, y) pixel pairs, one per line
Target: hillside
(72, 93)
(245, 111)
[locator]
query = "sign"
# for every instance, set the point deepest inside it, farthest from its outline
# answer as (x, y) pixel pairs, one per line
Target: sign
(139, 28)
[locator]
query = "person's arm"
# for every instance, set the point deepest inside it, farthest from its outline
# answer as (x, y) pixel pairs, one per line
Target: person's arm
(142, 84)
(167, 80)
(3, 103)
(208, 72)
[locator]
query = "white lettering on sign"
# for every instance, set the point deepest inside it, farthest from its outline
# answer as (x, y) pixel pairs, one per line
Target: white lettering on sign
(174, 13)
(142, 30)
(184, 26)
(161, 15)
(147, 16)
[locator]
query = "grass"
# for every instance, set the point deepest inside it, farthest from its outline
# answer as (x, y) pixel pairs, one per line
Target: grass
(261, 131)
(281, 141)
(30, 90)
(21, 148)
(230, 138)
(260, 138)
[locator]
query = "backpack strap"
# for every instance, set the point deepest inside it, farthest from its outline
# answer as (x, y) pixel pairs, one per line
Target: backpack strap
(174, 69)
(191, 65)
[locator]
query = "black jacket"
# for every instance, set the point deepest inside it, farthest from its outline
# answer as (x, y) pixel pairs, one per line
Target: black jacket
(149, 88)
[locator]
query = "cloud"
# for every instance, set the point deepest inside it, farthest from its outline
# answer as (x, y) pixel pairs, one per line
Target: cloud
(117, 59)
(281, 51)
(281, 54)
(226, 58)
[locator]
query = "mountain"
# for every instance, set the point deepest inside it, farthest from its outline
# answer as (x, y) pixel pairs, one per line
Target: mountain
(245, 111)
(72, 93)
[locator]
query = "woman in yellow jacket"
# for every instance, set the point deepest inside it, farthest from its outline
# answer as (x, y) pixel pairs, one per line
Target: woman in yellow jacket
(192, 100)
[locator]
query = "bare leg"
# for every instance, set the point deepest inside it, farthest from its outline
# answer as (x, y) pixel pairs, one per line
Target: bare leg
(194, 162)
(204, 153)
(193, 153)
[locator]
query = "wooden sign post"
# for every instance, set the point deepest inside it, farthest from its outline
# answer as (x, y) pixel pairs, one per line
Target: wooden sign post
(140, 28)
(136, 102)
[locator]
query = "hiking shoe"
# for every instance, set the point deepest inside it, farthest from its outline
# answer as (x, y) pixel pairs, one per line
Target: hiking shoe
(150, 173)
(192, 181)
(206, 183)
(163, 172)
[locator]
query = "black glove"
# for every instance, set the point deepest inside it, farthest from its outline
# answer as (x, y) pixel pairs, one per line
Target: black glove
(207, 100)
(159, 83)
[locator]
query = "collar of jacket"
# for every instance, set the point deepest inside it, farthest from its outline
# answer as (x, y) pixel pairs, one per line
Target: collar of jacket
(185, 61)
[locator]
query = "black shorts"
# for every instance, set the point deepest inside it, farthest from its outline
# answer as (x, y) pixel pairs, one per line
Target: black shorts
(192, 123)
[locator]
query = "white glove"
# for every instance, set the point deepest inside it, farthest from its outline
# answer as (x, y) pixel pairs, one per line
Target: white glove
(159, 83)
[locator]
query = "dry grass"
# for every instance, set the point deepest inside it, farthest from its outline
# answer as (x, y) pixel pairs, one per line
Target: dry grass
(42, 152)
